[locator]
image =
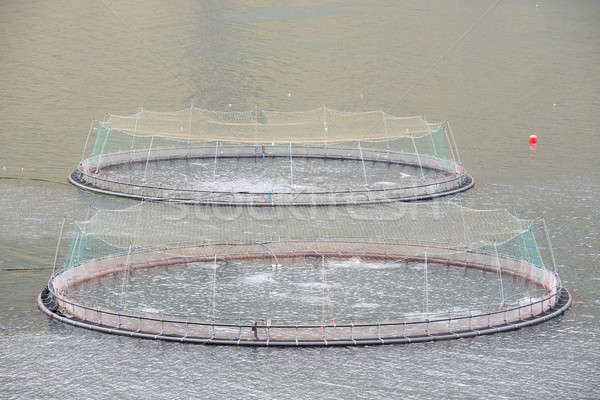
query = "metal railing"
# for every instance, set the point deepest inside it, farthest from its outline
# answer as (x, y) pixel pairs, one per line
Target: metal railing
(263, 330)
(454, 177)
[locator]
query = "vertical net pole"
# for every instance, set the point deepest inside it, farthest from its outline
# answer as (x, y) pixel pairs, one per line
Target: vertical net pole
(214, 292)
(131, 147)
(75, 248)
(549, 245)
(464, 223)
(140, 110)
(127, 264)
(137, 115)
(62, 226)
(148, 158)
(87, 139)
(146, 166)
(363, 164)
(215, 167)
(426, 286)
(136, 227)
(445, 129)
(323, 280)
(499, 275)
(412, 138)
(538, 256)
(525, 250)
(435, 152)
(291, 166)
(187, 157)
(454, 142)
(102, 150)
(256, 122)
(325, 128)
(385, 130)
(190, 123)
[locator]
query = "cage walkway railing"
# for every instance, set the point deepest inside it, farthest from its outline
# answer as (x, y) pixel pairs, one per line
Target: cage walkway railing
(89, 174)
(263, 332)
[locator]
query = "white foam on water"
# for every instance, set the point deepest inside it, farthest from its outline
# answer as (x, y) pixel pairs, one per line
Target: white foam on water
(259, 278)
(385, 183)
(314, 285)
(358, 263)
(366, 305)
(151, 310)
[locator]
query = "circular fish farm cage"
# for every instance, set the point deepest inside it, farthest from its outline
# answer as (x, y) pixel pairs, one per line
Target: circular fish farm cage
(423, 273)
(317, 157)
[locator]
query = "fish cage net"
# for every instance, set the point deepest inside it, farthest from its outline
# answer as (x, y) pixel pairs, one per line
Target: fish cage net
(317, 157)
(398, 272)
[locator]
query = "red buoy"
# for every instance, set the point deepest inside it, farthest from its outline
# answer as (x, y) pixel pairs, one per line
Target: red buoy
(533, 139)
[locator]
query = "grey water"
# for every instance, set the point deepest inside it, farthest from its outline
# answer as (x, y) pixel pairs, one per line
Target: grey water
(304, 290)
(497, 70)
(271, 174)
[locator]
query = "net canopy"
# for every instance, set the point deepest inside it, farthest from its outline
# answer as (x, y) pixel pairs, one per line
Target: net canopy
(435, 226)
(304, 276)
(317, 157)
(321, 125)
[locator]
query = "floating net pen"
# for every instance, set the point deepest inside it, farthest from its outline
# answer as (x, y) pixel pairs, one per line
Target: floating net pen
(305, 276)
(317, 157)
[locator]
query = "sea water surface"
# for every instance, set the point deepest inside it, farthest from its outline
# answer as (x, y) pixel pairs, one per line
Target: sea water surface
(497, 70)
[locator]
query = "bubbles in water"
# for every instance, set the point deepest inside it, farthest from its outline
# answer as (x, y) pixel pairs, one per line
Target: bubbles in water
(259, 278)
(301, 289)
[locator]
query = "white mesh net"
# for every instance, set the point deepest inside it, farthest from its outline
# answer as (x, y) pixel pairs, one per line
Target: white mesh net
(321, 125)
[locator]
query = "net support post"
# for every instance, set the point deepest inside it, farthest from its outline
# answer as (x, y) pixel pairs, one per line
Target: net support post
(62, 226)
(87, 140)
(412, 138)
(549, 245)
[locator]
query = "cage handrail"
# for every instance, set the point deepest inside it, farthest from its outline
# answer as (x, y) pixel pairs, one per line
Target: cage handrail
(223, 323)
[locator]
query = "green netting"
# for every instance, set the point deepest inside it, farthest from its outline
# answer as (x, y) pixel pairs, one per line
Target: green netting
(439, 139)
(85, 246)
(110, 140)
(438, 225)
(201, 156)
(101, 137)
(321, 125)
(521, 247)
